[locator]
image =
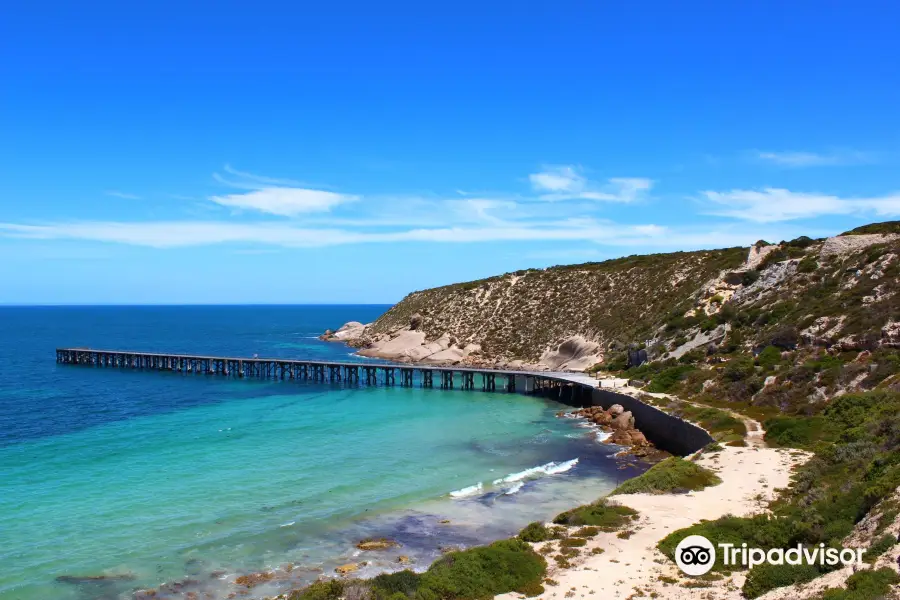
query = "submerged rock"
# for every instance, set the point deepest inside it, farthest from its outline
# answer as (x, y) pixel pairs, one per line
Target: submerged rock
(347, 569)
(376, 544)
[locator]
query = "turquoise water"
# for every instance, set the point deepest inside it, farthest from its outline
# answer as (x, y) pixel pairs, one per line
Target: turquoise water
(162, 478)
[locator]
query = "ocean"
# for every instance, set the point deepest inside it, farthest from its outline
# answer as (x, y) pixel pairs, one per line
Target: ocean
(115, 481)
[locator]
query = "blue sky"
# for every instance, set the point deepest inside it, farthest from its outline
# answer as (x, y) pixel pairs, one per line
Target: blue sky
(352, 152)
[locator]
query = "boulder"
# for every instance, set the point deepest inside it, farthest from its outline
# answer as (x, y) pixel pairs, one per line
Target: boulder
(623, 421)
(615, 410)
(574, 354)
(638, 438)
(347, 569)
(601, 417)
(415, 321)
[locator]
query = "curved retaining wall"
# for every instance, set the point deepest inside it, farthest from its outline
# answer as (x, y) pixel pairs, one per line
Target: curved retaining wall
(667, 432)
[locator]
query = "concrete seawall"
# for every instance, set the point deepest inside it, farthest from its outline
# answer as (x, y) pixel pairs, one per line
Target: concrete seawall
(667, 432)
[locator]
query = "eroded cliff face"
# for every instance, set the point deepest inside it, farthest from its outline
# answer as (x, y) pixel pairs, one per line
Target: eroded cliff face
(835, 291)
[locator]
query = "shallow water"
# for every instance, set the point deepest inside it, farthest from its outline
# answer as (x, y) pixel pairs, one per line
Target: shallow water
(150, 478)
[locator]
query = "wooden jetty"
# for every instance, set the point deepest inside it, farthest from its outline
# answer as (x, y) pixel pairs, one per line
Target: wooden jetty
(568, 387)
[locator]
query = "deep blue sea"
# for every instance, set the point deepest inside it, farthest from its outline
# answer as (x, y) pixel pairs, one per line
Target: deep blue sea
(115, 481)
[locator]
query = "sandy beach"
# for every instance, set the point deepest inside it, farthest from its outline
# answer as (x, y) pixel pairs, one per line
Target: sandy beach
(632, 567)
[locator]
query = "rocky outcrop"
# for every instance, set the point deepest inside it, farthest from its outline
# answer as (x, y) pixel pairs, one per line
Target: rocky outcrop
(620, 423)
(574, 354)
(349, 331)
(847, 244)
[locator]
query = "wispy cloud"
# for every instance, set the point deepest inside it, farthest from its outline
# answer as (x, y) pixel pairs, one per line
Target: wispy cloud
(815, 159)
(285, 202)
(175, 234)
(568, 182)
(123, 195)
(777, 204)
(282, 197)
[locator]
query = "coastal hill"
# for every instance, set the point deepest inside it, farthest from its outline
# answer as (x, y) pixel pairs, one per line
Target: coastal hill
(836, 292)
(787, 353)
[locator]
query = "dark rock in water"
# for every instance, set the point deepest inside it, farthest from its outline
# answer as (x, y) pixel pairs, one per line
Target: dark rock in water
(81, 579)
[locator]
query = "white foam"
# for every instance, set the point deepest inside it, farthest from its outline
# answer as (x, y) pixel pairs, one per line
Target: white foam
(287, 524)
(467, 491)
(602, 436)
(515, 488)
(551, 468)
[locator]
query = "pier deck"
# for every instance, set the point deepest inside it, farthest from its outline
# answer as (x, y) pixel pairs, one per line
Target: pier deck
(570, 385)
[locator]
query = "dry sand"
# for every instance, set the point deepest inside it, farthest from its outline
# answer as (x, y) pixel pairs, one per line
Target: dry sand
(632, 567)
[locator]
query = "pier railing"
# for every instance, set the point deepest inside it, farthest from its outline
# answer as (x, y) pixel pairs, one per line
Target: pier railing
(444, 377)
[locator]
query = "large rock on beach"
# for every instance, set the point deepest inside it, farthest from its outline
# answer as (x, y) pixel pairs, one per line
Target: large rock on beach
(623, 421)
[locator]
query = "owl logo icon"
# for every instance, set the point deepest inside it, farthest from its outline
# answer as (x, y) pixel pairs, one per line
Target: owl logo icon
(695, 555)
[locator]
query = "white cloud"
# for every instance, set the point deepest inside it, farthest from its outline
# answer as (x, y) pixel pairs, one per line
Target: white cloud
(285, 202)
(568, 183)
(123, 195)
(777, 204)
(281, 197)
(176, 234)
(814, 159)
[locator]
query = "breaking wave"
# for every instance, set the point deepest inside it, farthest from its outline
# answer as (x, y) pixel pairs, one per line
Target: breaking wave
(551, 468)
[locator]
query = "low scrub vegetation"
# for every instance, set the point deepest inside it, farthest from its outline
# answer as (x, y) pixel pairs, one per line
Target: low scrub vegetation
(857, 464)
(475, 574)
(865, 585)
(601, 514)
(673, 475)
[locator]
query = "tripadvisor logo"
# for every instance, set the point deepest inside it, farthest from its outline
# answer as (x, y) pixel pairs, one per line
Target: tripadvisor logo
(695, 555)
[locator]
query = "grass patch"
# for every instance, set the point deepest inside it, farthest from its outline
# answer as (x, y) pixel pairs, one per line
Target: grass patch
(879, 547)
(600, 514)
(669, 476)
(483, 572)
(719, 423)
(865, 585)
(586, 532)
(573, 542)
(797, 432)
(535, 532)
(762, 578)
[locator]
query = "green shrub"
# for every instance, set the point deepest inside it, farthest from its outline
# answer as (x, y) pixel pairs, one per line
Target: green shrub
(331, 589)
(750, 277)
(765, 577)
(387, 585)
(796, 432)
(535, 532)
(769, 357)
(885, 227)
(586, 532)
(573, 542)
(738, 368)
(602, 514)
(671, 475)
(808, 265)
(483, 572)
(762, 531)
(879, 547)
(865, 585)
(666, 380)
